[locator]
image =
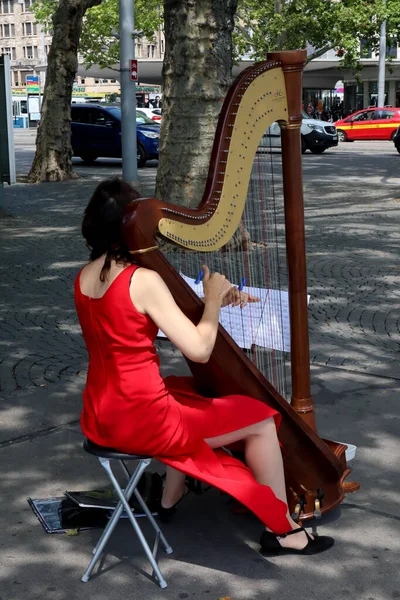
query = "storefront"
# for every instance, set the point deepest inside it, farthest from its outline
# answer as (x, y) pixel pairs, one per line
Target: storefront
(397, 91)
(318, 100)
(353, 97)
(144, 93)
(373, 94)
(365, 94)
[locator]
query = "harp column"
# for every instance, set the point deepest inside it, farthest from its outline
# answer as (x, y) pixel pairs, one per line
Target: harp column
(292, 65)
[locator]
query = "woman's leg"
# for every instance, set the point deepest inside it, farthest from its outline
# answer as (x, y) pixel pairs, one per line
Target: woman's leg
(264, 458)
(174, 487)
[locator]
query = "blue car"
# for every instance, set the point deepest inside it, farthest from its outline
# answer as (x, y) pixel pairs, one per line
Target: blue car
(96, 131)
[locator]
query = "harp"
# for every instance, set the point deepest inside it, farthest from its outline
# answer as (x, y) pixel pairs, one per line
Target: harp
(237, 199)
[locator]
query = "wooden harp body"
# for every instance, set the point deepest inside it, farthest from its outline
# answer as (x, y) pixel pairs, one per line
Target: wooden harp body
(264, 93)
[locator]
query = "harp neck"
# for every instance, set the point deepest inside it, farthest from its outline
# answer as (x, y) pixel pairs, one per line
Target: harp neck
(259, 97)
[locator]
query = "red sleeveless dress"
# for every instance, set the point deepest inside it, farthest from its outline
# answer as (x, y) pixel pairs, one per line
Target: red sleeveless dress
(130, 407)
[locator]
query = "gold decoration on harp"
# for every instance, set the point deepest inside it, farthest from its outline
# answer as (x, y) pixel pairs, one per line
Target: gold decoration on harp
(263, 102)
(143, 250)
(290, 125)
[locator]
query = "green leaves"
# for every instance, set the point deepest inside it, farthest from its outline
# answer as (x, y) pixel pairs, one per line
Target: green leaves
(99, 43)
(260, 26)
(314, 24)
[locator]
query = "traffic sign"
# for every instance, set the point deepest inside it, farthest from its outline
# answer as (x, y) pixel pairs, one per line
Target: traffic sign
(32, 84)
(133, 68)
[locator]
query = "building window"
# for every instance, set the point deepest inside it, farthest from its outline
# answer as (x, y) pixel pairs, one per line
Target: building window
(365, 49)
(8, 30)
(162, 46)
(97, 80)
(27, 5)
(7, 7)
(373, 93)
(82, 81)
(391, 49)
(30, 52)
(11, 51)
(113, 81)
(5, 51)
(29, 29)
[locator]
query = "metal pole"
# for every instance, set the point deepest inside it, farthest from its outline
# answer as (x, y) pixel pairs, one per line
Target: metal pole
(382, 64)
(128, 92)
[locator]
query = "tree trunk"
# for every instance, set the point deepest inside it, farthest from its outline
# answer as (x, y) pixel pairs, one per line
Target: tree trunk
(197, 74)
(53, 155)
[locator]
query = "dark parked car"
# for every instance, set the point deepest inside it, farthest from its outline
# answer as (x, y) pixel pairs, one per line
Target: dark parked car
(96, 131)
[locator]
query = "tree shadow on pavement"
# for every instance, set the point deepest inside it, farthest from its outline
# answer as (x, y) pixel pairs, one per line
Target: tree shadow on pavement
(353, 248)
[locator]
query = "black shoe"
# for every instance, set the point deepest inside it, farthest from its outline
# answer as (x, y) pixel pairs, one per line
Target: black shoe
(270, 543)
(167, 514)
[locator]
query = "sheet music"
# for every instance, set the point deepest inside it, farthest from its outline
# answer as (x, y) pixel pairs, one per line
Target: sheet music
(265, 323)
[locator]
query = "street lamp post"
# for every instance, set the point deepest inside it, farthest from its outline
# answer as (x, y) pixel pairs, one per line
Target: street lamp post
(382, 65)
(128, 92)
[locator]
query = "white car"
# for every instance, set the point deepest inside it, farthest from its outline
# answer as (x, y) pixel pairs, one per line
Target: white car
(152, 113)
(316, 136)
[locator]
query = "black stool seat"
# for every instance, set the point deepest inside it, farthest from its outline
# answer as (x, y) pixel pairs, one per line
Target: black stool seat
(104, 452)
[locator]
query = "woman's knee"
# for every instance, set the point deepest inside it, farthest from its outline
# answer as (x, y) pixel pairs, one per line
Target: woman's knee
(267, 426)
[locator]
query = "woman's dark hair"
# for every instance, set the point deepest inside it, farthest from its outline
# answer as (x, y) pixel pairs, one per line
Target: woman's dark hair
(102, 220)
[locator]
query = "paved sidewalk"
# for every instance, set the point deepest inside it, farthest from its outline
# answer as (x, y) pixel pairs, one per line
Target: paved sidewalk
(353, 250)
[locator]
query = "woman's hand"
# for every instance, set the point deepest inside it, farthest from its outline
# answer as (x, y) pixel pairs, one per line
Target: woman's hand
(216, 286)
(237, 297)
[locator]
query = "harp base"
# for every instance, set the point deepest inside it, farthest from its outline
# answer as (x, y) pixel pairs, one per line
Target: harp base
(350, 486)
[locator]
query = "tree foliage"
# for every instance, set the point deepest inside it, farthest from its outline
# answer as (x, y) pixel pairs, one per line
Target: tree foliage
(318, 25)
(99, 43)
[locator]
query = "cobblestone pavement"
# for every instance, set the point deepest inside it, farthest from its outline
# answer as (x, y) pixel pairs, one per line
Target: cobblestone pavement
(41, 250)
(353, 250)
(352, 203)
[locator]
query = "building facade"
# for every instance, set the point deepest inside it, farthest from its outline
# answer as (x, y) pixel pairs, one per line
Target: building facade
(22, 39)
(28, 45)
(322, 74)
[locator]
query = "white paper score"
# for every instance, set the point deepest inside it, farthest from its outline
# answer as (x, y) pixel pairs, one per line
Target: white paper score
(265, 323)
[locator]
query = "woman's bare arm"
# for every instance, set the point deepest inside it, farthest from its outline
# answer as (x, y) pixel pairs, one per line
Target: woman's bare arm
(151, 296)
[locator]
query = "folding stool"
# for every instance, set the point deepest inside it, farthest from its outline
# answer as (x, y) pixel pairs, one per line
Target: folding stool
(105, 455)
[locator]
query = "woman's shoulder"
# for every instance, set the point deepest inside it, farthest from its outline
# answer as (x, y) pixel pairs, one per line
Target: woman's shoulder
(147, 286)
(147, 281)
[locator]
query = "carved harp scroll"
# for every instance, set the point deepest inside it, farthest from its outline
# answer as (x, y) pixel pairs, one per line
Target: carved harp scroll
(262, 94)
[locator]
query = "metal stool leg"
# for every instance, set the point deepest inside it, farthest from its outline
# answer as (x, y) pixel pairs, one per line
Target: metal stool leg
(105, 463)
(124, 503)
(118, 511)
(147, 512)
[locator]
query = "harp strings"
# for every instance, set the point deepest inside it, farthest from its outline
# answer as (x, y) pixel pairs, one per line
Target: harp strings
(255, 257)
(270, 265)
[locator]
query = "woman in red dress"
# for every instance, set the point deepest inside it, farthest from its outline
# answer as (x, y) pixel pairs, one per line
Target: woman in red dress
(130, 407)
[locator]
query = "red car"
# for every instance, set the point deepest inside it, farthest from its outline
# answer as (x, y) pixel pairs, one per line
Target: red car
(369, 124)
